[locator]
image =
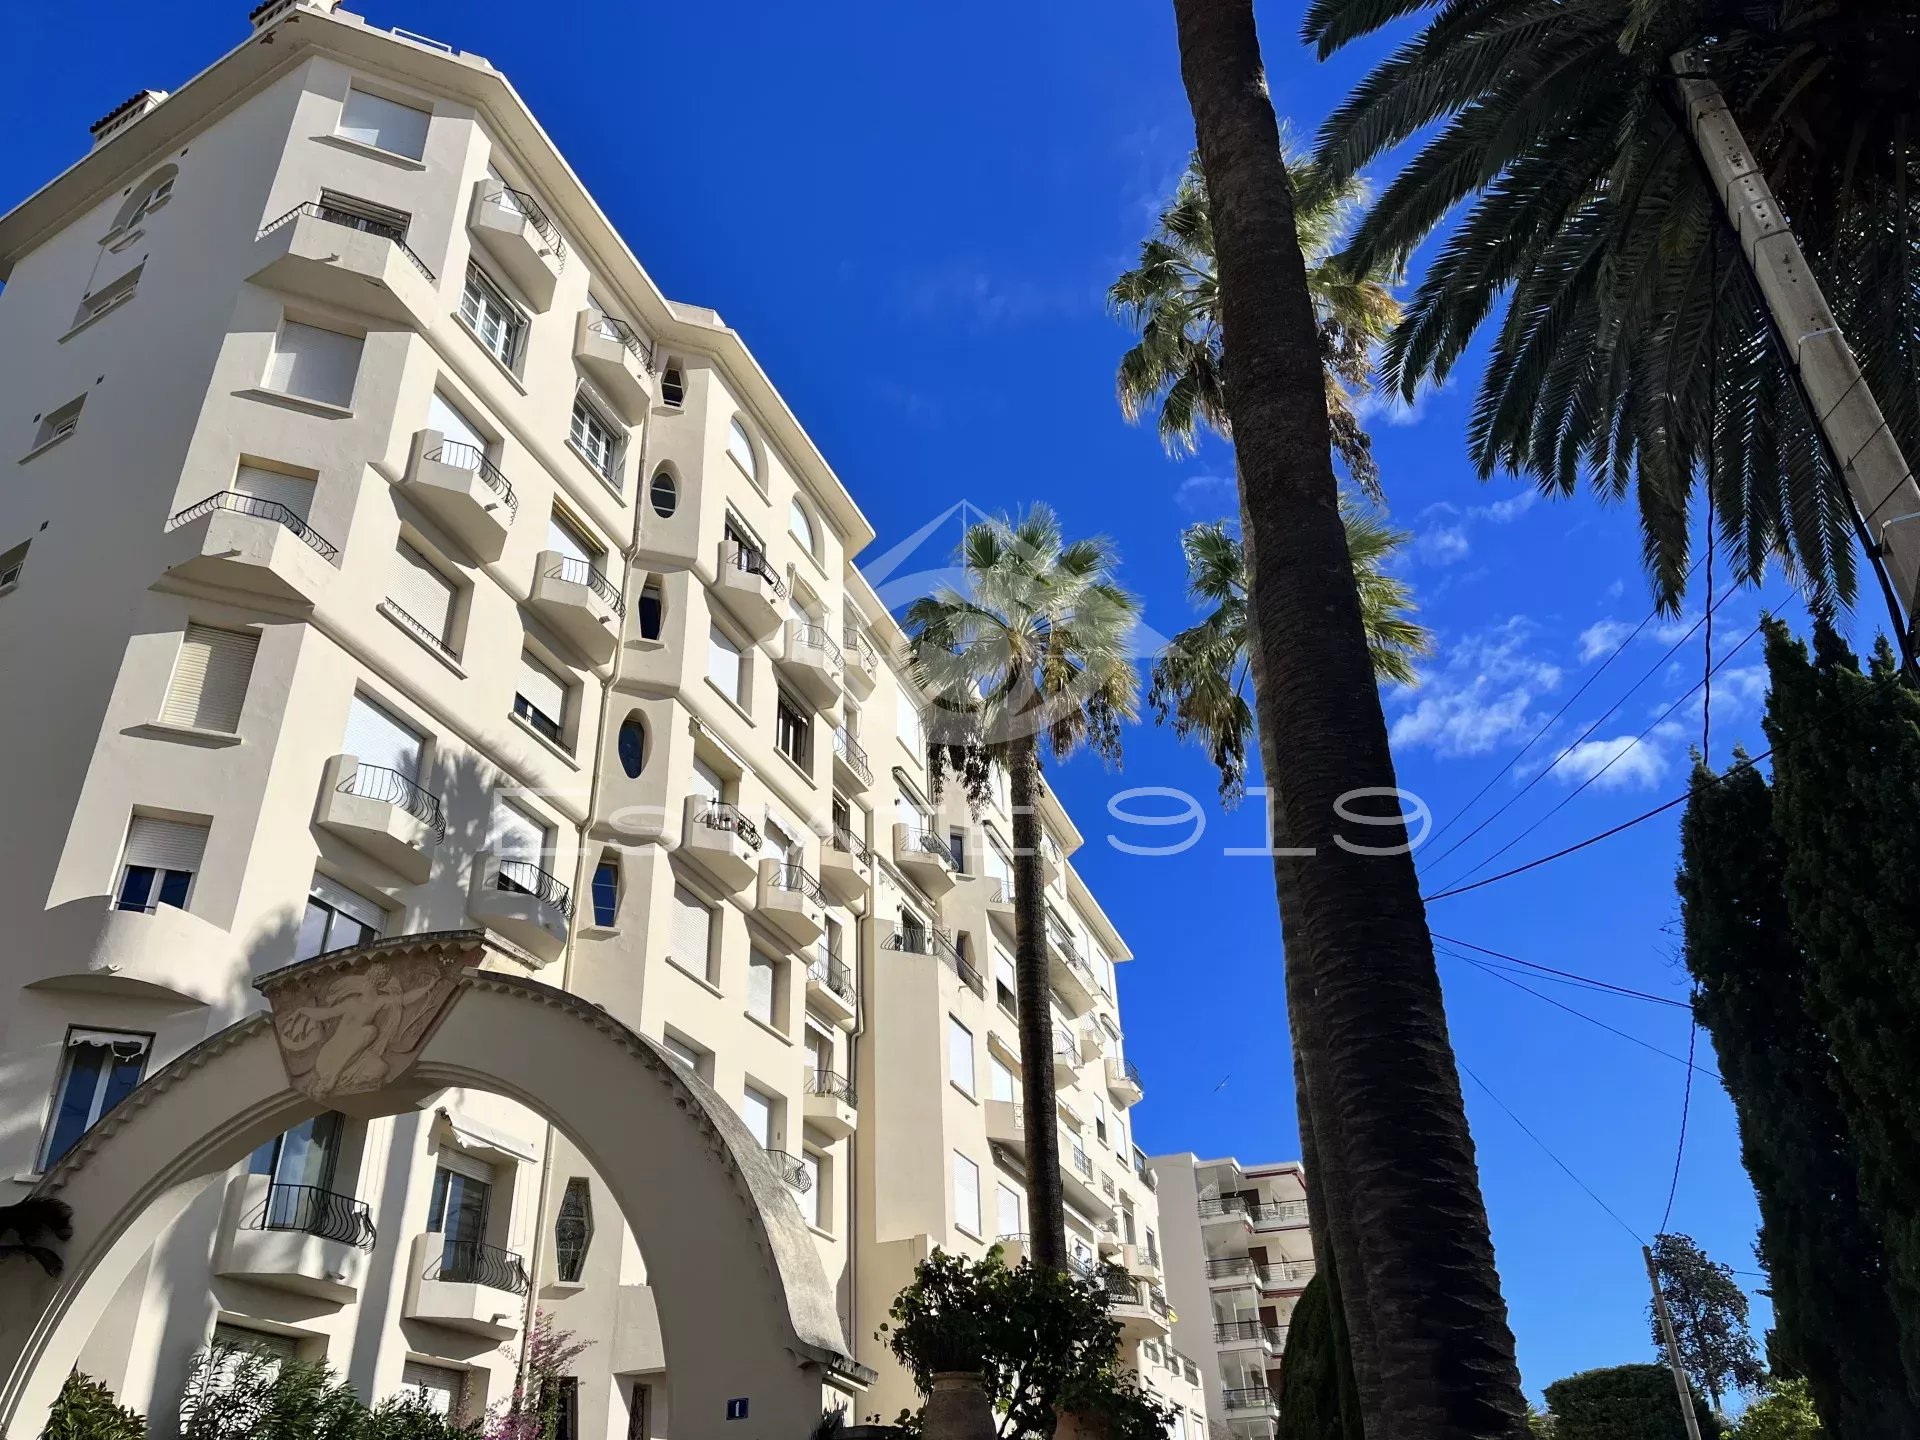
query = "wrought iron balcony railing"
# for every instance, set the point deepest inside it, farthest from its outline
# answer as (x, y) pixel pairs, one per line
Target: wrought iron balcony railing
(937, 943)
(281, 515)
(795, 879)
(849, 750)
(816, 637)
(860, 650)
(420, 631)
(585, 572)
(523, 877)
(847, 843)
(1224, 1205)
(791, 1170)
(920, 843)
(377, 782)
(462, 456)
(1250, 1397)
(720, 816)
(832, 974)
(1280, 1212)
(335, 215)
(529, 209)
(1227, 1332)
(314, 1211)
(831, 1083)
(468, 1262)
(755, 562)
(611, 328)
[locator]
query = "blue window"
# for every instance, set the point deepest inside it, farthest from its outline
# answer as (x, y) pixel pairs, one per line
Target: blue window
(100, 1069)
(606, 892)
(633, 747)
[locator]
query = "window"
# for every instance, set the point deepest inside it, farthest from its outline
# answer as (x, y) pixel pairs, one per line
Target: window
(337, 918)
(652, 610)
(592, 435)
(378, 738)
(687, 1053)
(723, 664)
(424, 596)
(793, 731)
(1006, 982)
(757, 1109)
(293, 494)
(153, 192)
(457, 1211)
(573, 1230)
(209, 682)
(369, 119)
(98, 1071)
(740, 447)
(966, 1194)
(1099, 1119)
(815, 1198)
(566, 1407)
(520, 842)
(496, 322)
(631, 743)
(692, 937)
(456, 429)
(438, 1387)
(541, 699)
(159, 865)
(579, 552)
(907, 722)
(960, 1055)
(1007, 1211)
(114, 293)
(673, 387)
(304, 1155)
(12, 562)
(957, 849)
(760, 987)
(57, 425)
(314, 364)
(358, 214)
(800, 526)
(664, 494)
(606, 892)
(1000, 1084)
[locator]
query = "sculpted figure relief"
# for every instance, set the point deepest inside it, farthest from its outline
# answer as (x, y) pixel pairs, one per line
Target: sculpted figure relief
(359, 1029)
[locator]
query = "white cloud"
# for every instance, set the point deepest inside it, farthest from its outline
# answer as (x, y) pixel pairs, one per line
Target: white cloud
(1446, 545)
(1616, 589)
(1214, 494)
(1480, 695)
(1622, 762)
(1600, 637)
(1450, 539)
(1514, 506)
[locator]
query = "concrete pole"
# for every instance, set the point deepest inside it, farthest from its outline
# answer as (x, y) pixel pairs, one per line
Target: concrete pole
(1876, 473)
(1673, 1348)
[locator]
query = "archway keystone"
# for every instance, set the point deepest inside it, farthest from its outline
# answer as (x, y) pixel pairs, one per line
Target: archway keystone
(745, 1309)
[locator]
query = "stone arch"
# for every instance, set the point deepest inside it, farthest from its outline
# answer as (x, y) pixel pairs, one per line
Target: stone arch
(745, 1308)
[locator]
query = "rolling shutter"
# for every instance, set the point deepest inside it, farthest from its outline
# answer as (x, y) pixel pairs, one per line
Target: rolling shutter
(692, 931)
(452, 425)
(422, 591)
(384, 124)
(565, 540)
(165, 844)
(760, 987)
(543, 689)
(757, 1110)
(515, 835)
(314, 364)
(706, 782)
(210, 677)
(435, 1386)
(723, 663)
(291, 491)
(376, 737)
(349, 903)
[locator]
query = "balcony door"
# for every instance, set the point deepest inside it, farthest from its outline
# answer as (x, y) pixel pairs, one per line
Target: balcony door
(452, 425)
(375, 736)
(299, 1166)
(293, 491)
(462, 1194)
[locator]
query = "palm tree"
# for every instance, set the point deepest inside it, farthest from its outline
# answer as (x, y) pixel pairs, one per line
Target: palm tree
(1172, 297)
(1396, 1192)
(1199, 681)
(1030, 650)
(1634, 348)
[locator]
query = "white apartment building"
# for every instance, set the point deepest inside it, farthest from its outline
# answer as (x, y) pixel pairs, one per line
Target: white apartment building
(381, 554)
(1238, 1254)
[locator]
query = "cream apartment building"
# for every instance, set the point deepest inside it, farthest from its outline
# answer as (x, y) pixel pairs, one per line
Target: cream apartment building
(382, 553)
(1238, 1255)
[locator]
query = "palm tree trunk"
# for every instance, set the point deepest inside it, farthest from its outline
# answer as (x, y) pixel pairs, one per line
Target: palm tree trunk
(1375, 1022)
(1046, 1212)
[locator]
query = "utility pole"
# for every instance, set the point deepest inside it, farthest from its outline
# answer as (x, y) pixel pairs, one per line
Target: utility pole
(1673, 1348)
(1856, 431)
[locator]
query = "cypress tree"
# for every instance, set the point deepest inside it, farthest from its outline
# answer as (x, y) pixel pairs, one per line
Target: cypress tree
(1318, 1399)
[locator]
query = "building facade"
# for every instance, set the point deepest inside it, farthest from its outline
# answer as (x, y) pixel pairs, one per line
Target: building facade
(1238, 1254)
(385, 554)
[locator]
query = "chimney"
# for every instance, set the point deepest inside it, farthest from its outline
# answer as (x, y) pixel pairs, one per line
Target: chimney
(123, 115)
(271, 12)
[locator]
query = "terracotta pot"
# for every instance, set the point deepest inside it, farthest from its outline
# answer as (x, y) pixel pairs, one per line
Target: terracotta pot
(957, 1408)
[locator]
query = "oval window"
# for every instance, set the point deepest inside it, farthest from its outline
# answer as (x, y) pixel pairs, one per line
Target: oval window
(664, 494)
(633, 747)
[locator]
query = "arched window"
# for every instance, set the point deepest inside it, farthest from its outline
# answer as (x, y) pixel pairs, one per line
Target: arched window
(673, 387)
(740, 447)
(800, 526)
(664, 494)
(149, 195)
(632, 745)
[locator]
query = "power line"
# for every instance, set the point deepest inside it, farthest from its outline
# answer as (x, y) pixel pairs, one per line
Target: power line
(1686, 1104)
(1565, 975)
(1582, 1015)
(1614, 1214)
(1584, 735)
(1628, 749)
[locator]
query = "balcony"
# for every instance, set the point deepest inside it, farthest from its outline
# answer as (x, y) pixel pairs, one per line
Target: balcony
(791, 902)
(522, 902)
(1232, 1272)
(1123, 1081)
(862, 661)
(1252, 1401)
(846, 870)
(1141, 1309)
(790, 1170)
(831, 1104)
(617, 361)
(578, 601)
(812, 663)
(1278, 1214)
(997, 894)
(1006, 1126)
(1080, 1178)
(851, 767)
(1068, 971)
(1227, 1211)
(295, 1237)
(939, 945)
(384, 813)
(721, 840)
(1283, 1275)
(465, 1285)
(1141, 1169)
(246, 543)
(830, 988)
(1066, 1057)
(1014, 1249)
(924, 858)
(1243, 1334)
(1141, 1261)
(511, 226)
(343, 259)
(463, 491)
(745, 583)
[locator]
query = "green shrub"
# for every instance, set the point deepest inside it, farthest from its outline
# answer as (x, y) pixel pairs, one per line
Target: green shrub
(87, 1410)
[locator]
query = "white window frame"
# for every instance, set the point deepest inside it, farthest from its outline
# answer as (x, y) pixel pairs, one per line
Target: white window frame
(491, 306)
(959, 1036)
(595, 438)
(740, 438)
(966, 1196)
(76, 1036)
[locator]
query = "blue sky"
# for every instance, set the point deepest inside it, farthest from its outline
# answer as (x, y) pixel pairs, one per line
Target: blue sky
(911, 212)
